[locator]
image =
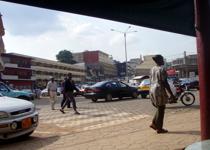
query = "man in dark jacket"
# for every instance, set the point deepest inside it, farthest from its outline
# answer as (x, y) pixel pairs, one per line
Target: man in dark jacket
(64, 97)
(69, 88)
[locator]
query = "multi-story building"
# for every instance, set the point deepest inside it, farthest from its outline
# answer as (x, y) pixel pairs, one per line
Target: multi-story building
(186, 66)
(27, 72)
(131, 66)
(18, 71)
(78, 57)
(43, 69)
(145, 67)
(98, 64)
(121, 69)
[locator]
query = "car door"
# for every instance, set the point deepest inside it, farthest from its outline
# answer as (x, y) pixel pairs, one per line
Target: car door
(124, 89)
(112, 88)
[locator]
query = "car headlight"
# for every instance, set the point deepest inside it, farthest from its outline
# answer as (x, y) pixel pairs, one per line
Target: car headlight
(33, 109)
(3, 115)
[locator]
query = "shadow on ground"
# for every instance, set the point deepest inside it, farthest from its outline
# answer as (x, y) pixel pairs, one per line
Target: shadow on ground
(115, 100)
(185, 132)
(32, 142)
(181, 107)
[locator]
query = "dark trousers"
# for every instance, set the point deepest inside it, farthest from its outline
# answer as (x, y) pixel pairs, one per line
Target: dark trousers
(159, 116)
(69, 99)
(63, 101)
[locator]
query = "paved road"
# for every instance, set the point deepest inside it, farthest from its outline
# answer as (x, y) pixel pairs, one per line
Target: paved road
(94, 115)
(97, 115)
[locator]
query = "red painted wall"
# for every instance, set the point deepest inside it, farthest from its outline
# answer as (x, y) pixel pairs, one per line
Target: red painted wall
(91, 57)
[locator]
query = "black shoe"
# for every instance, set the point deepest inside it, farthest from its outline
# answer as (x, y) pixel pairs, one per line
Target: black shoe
(153, 126)
(76, 113)
(162, 131)
(61, 110)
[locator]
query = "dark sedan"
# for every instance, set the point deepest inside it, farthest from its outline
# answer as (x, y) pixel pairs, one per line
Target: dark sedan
(110, 89)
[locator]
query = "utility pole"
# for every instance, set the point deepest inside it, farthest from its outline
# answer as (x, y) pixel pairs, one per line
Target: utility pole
(125, 44)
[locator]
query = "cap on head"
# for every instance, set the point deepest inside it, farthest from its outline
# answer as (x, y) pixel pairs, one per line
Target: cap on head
(157, 58)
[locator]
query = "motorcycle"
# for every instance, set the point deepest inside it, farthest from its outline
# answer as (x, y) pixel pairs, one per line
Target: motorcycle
(186, 97)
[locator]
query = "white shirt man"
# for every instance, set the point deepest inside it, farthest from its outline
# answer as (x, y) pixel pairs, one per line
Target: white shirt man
(52, 90)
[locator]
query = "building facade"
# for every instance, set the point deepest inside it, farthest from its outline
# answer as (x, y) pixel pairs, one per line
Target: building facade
(31, 72)
(186, 67)
(145, 67)
(99, 65)
(121, 69)
(131, 66)
(78, 57)
(18, 71)
(43, 69)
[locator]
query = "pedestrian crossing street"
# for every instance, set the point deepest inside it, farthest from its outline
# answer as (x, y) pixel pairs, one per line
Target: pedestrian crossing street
(89, 119)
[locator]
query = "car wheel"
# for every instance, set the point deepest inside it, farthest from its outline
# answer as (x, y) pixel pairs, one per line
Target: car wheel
(134, 95)
(94, 99)
(108, 97)
(144, 95)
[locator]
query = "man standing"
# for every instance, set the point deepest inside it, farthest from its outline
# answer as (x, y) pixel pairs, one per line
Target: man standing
(69, 88)
(52, 91)
(158, 93)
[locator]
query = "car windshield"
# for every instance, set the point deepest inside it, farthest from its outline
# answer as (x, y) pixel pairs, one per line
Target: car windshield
(145, 82)
(98, 84)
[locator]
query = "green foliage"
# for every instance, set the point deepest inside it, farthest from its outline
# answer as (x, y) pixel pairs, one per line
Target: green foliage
(65, 56)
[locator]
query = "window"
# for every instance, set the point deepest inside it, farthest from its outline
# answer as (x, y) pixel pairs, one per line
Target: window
(122, 84)
(108, 85)
(114, 84)
(3, 88)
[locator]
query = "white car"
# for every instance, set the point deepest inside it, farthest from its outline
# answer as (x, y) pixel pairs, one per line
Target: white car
(17, 117)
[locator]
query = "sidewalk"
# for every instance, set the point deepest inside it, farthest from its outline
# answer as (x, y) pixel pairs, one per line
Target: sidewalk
(183, 126)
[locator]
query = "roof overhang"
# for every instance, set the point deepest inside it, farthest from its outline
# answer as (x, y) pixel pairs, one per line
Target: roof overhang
(169, 15)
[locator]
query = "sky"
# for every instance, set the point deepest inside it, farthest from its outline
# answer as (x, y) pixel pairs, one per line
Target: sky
(43, 33)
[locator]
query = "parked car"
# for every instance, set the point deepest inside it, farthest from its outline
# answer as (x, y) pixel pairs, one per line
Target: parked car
(194, 84)
(189, 84)
(33, 94)
(110, 89)
(7, 91)
(44, 92)
(144, 87)
(17, 117)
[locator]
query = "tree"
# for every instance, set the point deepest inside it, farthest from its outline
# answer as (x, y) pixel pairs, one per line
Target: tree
(65, 56)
